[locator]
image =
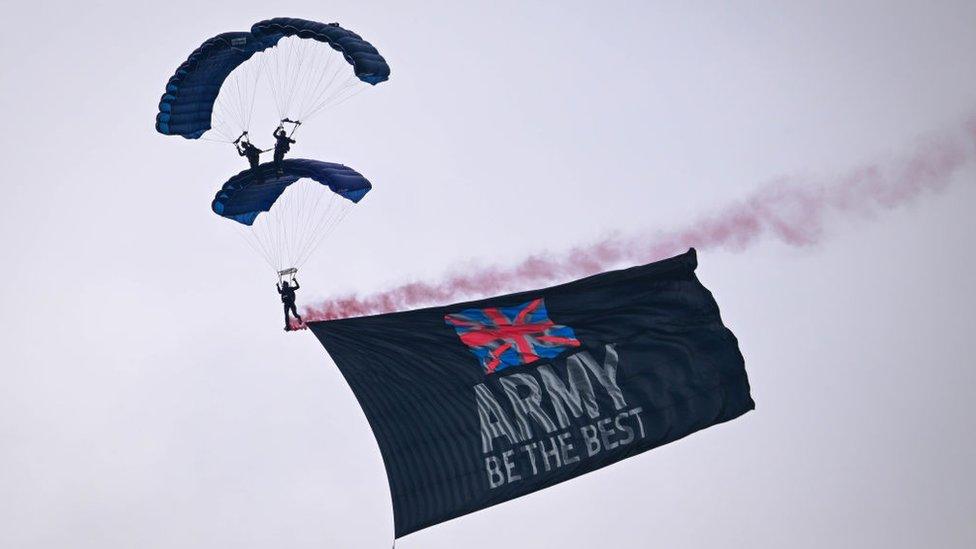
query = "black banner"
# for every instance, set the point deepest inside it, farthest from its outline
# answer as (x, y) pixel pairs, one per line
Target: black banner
(477, 403)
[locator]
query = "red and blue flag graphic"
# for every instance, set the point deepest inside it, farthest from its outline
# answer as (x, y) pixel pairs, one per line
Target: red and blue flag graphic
(510, 336)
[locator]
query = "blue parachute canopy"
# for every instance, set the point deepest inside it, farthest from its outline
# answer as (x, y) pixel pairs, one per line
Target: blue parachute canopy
(253, 191)
(186, 108)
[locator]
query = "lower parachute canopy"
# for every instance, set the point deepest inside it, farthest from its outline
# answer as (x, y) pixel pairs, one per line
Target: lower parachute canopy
(285, 212)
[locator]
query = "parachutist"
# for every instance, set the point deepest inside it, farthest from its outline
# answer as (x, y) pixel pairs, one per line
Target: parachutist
(253, 154)
(282, 145)
(287, 292)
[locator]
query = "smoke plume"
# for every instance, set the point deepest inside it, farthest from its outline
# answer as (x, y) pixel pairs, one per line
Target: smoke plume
(793, 210)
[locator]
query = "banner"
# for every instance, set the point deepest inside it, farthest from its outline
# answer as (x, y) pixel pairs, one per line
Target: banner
(478, 403)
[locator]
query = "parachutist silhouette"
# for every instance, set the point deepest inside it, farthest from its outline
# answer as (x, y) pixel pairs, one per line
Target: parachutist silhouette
(287, 292)
(253, 154)
(282, 142)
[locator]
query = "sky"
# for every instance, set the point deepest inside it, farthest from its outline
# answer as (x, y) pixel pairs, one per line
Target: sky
(149, 397)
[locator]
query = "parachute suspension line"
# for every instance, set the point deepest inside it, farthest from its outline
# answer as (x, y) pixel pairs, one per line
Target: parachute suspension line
(281, 56)
(267, 228)
(313, 227)
(356, 87)
(267, 253)
(240, 99)
(328, 64)
(234, 106)
(303, 76)
(271, 65)
(319, 223)
(338, 210)
(206, 137)
(258, 69)
(310, 91)
(264, 58)
(294, 60)
(223, 111)
(292, 227)
(339, 84)
(255, 244)
(300, 53)
(219, 117)
(302, 217)
(219, 120)
(306, 76)
(284, 75)
(308, 220)
(281, 234)
(336, 219)
(311, 218)
(256, 238)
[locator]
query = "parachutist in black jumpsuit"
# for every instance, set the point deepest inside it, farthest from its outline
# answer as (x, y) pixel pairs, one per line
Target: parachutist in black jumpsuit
(253, 154)
(287, 292)
(282, 145)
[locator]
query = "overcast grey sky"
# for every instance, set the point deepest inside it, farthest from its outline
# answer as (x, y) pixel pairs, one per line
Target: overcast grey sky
(148, 397)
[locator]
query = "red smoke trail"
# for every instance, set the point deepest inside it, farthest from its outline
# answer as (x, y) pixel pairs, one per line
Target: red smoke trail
(793, 211)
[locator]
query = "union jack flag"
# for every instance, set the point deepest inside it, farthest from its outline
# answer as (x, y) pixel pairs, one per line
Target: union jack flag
(509, 336)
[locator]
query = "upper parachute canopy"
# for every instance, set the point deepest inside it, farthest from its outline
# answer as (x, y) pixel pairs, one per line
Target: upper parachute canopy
(186, 108)
(247, 194)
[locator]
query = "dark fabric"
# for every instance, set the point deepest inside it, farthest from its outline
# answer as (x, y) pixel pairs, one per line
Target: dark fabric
(255, 190)
(457, 436)
(187, 104)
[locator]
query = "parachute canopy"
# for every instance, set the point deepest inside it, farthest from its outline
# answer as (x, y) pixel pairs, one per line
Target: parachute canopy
(251, 192)
(300, 204)
(307, 65)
